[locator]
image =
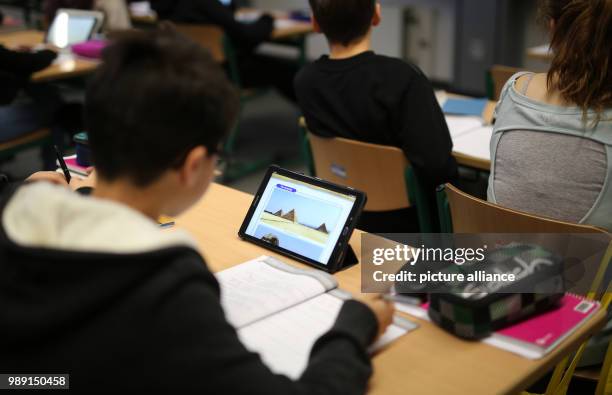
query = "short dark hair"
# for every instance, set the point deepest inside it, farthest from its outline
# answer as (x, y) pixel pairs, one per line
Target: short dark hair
(156, 96)
(343, 21)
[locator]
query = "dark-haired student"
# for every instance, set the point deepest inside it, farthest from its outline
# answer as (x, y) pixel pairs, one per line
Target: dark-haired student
(357, 94)
(92, 287)
(26, 107)
(256, 70)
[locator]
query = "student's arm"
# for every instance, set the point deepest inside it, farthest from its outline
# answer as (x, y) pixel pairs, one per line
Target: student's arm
(242, 34)
(25, 63)
(205, 353)
(424, 135)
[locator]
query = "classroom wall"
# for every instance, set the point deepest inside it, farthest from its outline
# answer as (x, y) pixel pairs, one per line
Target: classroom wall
(442, 44)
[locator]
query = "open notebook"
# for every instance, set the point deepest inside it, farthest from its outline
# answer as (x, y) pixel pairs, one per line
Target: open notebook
(280, 311)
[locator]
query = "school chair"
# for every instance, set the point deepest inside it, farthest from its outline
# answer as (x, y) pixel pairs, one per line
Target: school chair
(462, 213)
(39, 138)
(382, 172)
(497, 77)
(223, 52)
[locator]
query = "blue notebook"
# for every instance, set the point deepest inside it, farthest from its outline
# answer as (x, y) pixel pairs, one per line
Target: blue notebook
(473, 107)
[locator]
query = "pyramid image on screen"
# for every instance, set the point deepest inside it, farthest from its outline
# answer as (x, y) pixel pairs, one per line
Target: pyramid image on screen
(279, 213)
(290, 216)
(323, 228)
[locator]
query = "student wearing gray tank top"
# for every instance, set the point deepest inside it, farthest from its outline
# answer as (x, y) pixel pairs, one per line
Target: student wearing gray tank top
(551, 148)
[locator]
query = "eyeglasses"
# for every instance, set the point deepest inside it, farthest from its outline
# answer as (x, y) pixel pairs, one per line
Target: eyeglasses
(219, 152)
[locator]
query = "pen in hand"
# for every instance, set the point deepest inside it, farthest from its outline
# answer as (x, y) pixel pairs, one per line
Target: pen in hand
(62, 163)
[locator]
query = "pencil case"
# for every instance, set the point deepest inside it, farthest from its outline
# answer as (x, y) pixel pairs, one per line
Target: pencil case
(475, 309)
(91, 49)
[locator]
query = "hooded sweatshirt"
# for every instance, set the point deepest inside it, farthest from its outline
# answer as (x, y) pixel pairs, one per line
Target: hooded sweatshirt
(94, 289)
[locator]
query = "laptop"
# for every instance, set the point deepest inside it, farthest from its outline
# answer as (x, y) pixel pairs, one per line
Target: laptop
(73, 26)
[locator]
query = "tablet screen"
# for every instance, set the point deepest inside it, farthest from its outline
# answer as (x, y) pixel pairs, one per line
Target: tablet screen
(69, 29)
(300, 217)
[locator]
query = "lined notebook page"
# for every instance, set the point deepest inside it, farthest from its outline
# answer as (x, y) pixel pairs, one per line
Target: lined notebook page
(459, 125)
(475, 143)
(284, 340)
(256, 289)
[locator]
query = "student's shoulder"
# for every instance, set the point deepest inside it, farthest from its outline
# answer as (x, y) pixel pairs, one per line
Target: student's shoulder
(308, 73)
(408, 69)
(401, 72)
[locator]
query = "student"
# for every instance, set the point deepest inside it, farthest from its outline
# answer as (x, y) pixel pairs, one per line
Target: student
(551, 150)
(92, 287)
(357, 94)
(216, 13)
(256, 70)
(15, 70)
(25, 107)
(50, 7)
(552, 142)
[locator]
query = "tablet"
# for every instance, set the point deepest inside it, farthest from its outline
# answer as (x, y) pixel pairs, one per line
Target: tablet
(73, 26)
(303, 217)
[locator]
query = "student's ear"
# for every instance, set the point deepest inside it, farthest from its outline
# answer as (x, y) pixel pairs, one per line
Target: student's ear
(315, 24)
(377, 15)
(196, 163)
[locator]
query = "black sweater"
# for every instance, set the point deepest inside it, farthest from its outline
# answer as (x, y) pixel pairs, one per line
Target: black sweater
(16, 68)
(380, 100)
(243, 35)
(151, 321)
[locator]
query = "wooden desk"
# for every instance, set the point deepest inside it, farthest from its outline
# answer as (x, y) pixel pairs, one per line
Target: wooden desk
(284, 27)
(66, 66)
(426, 361)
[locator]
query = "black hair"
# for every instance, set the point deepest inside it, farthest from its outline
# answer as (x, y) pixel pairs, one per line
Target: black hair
(343, 21)
(156, 96)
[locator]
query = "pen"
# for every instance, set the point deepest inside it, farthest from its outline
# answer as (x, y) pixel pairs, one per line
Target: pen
(165, 222)
(62, 163)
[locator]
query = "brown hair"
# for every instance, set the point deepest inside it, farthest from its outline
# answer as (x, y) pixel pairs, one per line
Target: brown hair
(582, 44)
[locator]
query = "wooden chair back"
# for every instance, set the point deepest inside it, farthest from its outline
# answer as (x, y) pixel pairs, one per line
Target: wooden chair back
(208, 36)
(472, 215)
(377, 170)
(500, 75)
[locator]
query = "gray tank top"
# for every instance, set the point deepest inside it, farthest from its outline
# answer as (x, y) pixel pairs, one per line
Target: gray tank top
(546, 161)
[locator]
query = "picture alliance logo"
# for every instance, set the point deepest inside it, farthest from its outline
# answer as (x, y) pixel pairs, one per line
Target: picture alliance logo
(412, 255)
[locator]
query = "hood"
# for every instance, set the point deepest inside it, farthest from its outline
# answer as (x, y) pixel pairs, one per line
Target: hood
(41, 215)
